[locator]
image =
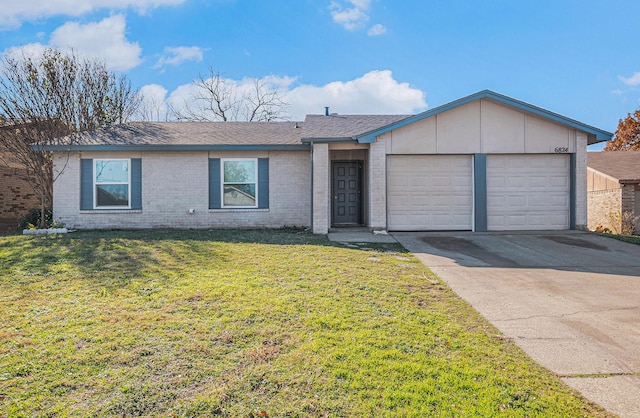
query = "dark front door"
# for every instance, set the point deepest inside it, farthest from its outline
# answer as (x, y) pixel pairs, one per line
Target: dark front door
(347, 196)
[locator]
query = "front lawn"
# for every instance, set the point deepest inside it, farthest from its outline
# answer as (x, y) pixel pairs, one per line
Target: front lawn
(249, 324)
(632, 239)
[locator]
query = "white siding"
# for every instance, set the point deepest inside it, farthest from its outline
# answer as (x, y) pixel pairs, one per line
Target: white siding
(483, 127)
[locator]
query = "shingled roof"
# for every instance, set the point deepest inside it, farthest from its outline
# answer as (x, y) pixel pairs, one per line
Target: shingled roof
(621, 165)
(345, 126)
(190, 133)
(223, 135)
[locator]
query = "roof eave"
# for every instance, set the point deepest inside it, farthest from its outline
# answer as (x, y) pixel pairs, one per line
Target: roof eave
(325, 140)
(165, 147)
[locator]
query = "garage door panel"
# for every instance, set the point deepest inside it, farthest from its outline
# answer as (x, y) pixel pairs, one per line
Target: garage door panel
(438, 195)
(462, 182)
(517, 201)
(540, 182)
(528, 192)
(559, 182)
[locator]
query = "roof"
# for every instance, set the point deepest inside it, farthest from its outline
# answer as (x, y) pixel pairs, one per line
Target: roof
(321, 127)
(167, 136)
(621, 165)
(594, 134)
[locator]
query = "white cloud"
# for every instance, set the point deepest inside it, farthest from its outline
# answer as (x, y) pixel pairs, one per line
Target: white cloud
(153, 106)
(184, 95)
(634, 80)
(376, 92)
(14, 12)
(360, 4)
(104, 40)
(180, 54)
(28, 51)
(354, 15)
(351, 18)
(377, 30)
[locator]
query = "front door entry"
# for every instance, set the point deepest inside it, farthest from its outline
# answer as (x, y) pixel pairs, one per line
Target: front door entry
(347, 195)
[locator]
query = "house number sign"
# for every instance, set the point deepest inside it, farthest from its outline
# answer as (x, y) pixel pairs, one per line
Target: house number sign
(559, 150)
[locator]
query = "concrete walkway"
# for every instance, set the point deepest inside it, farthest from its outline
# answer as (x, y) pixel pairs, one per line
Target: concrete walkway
(361, 236)
(570, 300)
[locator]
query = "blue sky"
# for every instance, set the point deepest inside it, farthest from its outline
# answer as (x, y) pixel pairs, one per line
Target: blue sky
(577, 58)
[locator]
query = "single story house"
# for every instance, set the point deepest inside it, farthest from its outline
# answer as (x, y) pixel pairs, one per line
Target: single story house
(613, 188)
(485, 162)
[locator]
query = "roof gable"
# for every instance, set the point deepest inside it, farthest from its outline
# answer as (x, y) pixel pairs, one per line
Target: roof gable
(595, 134)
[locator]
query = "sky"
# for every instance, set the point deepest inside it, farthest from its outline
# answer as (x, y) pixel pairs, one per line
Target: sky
(580, 59)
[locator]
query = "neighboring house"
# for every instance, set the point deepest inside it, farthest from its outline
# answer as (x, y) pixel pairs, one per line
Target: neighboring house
(17, 196)
(613, 188)
(17, 193)
(485, 162)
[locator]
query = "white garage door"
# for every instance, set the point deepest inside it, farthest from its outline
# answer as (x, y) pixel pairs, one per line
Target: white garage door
(528, 192)
(429, 192)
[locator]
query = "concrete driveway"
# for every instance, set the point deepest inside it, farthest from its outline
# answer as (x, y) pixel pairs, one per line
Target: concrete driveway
(570, 300)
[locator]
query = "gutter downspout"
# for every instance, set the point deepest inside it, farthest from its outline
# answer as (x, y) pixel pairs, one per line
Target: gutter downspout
(311, 214)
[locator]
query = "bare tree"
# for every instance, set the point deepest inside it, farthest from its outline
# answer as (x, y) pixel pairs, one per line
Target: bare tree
(51, 96)
(222, 99)
(151, 110)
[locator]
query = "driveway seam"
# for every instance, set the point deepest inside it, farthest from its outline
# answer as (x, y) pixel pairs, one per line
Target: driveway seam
(630, 308)
(597, 375)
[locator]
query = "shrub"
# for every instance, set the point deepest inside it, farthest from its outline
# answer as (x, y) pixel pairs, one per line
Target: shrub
(624, 223)
(32, 219)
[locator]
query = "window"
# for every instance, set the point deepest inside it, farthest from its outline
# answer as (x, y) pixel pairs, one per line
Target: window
(239, 183)
(112, 182)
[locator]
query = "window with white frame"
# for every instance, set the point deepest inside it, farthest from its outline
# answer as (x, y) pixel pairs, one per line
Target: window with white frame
(239, 182)
(112, 183)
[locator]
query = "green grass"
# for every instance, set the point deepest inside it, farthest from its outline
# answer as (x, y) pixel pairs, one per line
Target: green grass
(632, 239)
(249, 324)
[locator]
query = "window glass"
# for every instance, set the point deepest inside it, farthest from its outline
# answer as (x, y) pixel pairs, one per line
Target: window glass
(240, 195)
(239, 185)
(111, 183)
(239, 171)
(112, 195)
(112, 171)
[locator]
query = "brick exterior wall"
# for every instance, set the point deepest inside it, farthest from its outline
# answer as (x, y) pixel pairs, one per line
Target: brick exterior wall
(378, 184)
(637, 208)
(581, 181)
(601, 204)
(628, 198)
(629, 204)
(16, 198)
(174, 183)
(321, 189)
